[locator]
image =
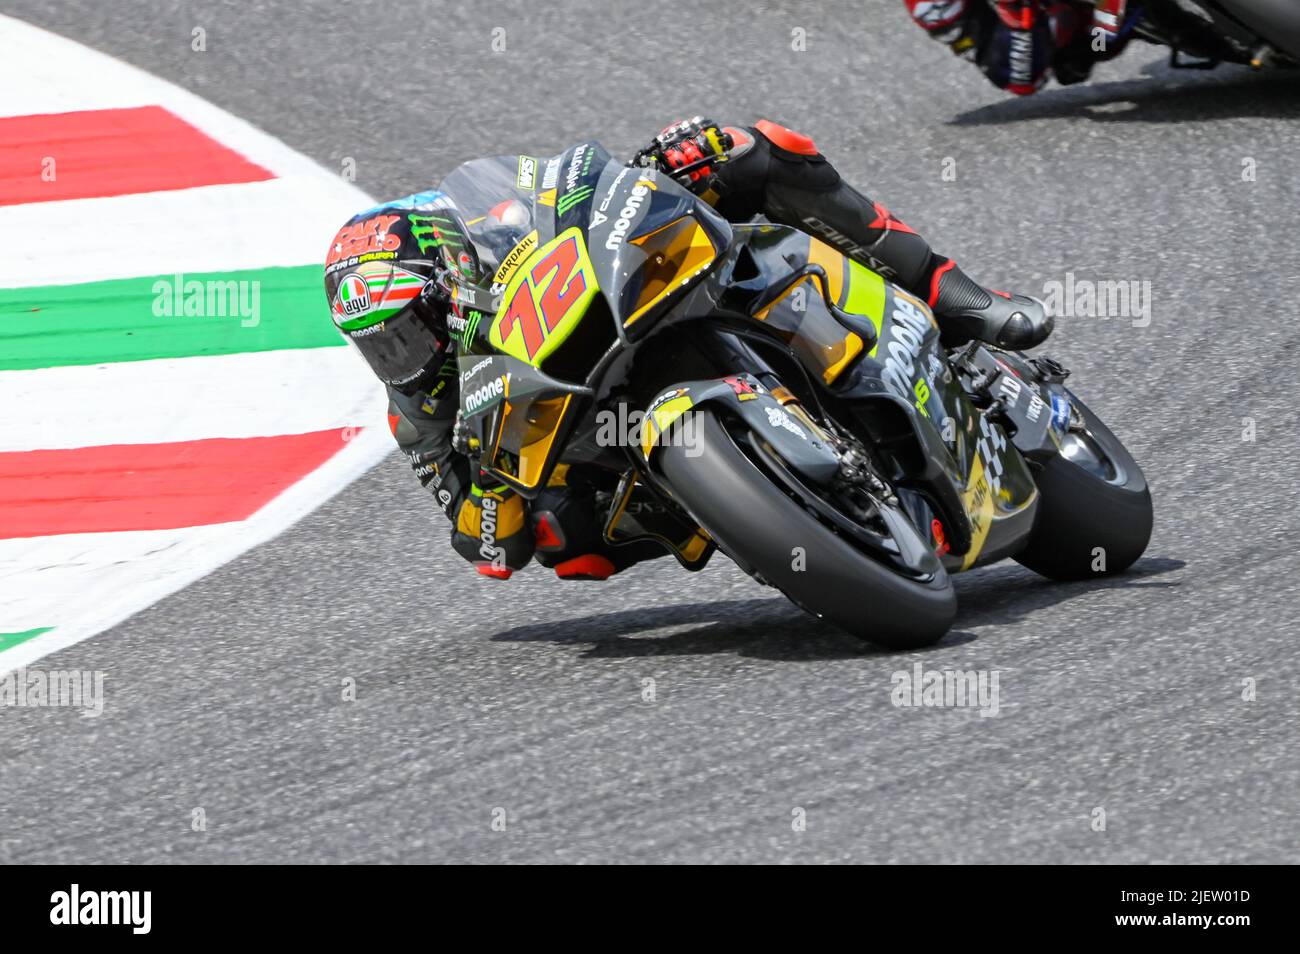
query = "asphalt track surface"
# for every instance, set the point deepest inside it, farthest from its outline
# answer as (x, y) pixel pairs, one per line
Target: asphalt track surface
(474, 696)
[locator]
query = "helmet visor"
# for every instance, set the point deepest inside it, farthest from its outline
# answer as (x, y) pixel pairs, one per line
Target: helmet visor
(404, 349)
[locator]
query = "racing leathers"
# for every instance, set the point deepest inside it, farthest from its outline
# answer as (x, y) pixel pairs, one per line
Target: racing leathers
(491, 526)
(1020, 44)
(743, 172)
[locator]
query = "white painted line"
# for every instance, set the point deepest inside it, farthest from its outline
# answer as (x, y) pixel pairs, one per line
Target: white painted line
(85, 569)
(209, 229)
(85, 585)
(258, 394)
(42, 72)
(106, 594)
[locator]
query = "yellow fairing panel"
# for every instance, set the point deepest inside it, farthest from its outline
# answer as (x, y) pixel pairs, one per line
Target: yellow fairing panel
(675, 254)
(526, 437)
(801, 318)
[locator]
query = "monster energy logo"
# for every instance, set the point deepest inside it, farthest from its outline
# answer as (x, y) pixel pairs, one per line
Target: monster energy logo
(434, 225)
(471, 326)
(573, 198)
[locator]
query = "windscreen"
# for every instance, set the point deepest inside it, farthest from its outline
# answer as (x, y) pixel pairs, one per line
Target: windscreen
(646, 237)
(496, 199)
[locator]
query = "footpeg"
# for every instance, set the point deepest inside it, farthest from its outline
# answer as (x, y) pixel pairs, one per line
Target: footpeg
(1049, 370)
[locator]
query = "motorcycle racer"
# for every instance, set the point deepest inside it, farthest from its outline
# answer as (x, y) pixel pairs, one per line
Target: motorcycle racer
(403, 279)
(1020, 44)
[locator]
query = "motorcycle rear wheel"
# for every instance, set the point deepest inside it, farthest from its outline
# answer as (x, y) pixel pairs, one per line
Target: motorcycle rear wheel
(1094, 515)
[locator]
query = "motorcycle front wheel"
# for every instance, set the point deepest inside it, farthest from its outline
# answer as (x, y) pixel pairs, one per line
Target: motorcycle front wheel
(768, 530)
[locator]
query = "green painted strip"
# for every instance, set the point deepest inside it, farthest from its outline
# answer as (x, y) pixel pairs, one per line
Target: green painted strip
(133, 319)
(10, 640)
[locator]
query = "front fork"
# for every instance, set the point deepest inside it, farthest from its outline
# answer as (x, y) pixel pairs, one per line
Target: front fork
(734, 353)
(857, 481)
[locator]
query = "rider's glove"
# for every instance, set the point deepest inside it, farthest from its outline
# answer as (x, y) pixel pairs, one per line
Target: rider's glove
(692, 141)
(944, 21)
(492, 530)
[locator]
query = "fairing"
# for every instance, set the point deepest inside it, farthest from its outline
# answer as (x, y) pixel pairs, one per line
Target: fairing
(559, 235)
(588, 256)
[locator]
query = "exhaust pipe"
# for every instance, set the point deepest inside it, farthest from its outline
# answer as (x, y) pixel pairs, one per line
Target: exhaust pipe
(1275, 21)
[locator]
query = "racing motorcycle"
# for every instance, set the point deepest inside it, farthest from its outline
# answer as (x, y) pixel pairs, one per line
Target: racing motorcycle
(1257, 33)
(749, 389)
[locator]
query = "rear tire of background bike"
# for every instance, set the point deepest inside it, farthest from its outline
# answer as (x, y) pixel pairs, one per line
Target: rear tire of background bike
(1082, 517)
(757, 524)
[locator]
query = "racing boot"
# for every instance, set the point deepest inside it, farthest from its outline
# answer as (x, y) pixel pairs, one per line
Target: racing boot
(776, 172)
(966, 310)
(567, 532)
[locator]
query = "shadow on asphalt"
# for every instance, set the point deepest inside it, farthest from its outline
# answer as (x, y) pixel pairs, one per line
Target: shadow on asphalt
(1163, 96)
(1006, 598)
(775, 629)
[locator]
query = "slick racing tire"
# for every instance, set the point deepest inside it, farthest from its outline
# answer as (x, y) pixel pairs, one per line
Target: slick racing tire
(759, 525)
(1094, 515)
